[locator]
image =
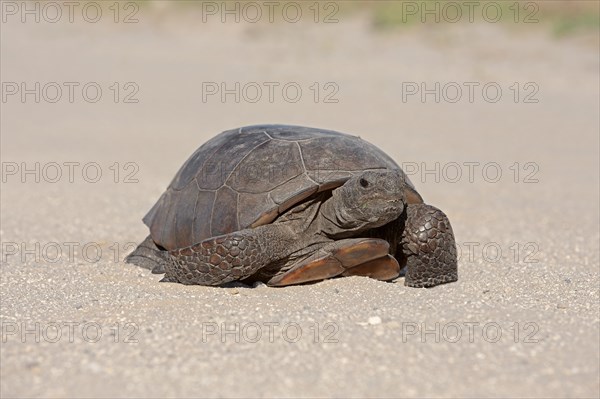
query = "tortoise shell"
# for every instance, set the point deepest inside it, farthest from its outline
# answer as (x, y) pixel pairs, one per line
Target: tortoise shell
(246, 177)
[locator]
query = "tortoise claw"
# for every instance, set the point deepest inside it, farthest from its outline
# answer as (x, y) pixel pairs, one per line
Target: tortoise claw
(350, 257)
(385, 268)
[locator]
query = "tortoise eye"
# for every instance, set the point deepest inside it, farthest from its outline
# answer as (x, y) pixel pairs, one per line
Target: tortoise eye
(363, 182)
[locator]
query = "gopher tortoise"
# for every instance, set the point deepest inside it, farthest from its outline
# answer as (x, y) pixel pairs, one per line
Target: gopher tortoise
(288, 205)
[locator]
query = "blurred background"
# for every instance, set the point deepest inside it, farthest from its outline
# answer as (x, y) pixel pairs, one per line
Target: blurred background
(429, 82)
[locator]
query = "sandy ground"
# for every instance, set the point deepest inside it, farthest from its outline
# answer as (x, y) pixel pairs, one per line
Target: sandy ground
(521, 322)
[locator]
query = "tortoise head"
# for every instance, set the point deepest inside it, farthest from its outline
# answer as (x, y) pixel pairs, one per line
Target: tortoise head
(369, 200)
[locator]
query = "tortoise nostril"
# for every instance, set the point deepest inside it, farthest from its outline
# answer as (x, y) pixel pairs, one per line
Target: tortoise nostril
(363, 182)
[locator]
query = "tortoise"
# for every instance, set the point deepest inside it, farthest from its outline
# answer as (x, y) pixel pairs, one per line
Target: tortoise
(288, 205)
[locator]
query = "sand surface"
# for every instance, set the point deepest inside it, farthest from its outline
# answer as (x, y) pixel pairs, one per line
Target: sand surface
(522, 321)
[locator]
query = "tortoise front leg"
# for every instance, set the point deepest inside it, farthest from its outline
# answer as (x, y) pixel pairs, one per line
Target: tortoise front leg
(229, 257)
(429, 247)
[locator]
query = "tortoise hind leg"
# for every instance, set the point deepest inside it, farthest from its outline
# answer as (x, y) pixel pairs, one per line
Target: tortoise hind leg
(149, 256)
(429, 248)
(349, 257)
